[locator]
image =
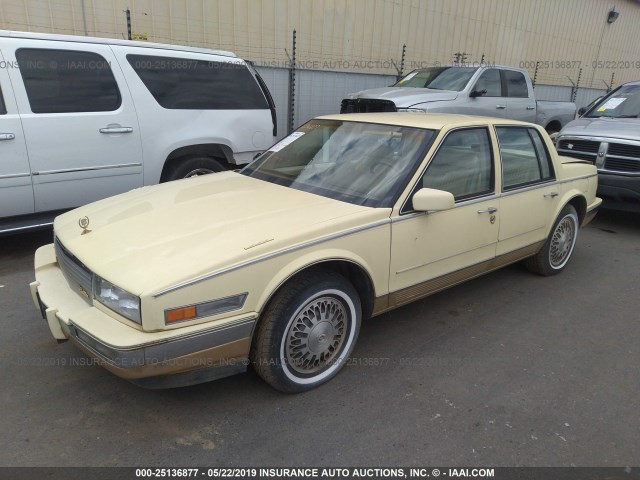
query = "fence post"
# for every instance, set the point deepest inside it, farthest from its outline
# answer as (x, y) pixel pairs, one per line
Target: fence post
(128, 14)
(535, 75)
(613, 75)
(574, 90)
(401, 69)
(292, 84)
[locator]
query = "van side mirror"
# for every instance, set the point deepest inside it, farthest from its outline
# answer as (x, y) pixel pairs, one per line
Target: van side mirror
(477, 93)
(432, 200)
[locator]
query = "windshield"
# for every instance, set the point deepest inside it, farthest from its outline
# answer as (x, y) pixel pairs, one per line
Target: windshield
(361, 163)
(621, 103)
(438, 78)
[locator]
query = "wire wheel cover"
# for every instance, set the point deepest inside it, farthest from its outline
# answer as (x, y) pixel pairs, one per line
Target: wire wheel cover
(562, 241)
(316, 335)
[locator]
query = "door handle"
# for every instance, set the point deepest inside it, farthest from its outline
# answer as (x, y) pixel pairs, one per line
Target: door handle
(551, 194)
(117, 129)
(7, 136)
(488, 210)
(501, 107)
(530, 107)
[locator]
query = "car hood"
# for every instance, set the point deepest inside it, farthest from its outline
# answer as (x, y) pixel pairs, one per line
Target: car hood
(154, 237)
(627, 128)
(406, 96)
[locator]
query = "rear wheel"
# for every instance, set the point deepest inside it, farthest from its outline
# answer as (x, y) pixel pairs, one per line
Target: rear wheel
(307, 332)
(557, 250)
(193, 167)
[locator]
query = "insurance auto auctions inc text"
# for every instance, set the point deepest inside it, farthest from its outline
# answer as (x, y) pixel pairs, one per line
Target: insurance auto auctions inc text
(374, 472)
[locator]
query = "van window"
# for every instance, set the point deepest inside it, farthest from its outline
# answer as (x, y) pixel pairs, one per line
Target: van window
(64, 81)
(3, 109)
(187, 84)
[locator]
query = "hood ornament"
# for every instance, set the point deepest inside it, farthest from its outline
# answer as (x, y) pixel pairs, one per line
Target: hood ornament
(84, 223)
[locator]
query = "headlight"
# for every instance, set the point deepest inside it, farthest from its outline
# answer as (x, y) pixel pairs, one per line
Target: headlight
(117, 299)
(412, 110)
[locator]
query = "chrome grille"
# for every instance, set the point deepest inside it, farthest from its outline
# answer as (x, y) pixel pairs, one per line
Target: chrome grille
(624, 150)
(622, 165)
(582, 149)
(608, 154)
(579, 145)
(582, 156)
(77, 274)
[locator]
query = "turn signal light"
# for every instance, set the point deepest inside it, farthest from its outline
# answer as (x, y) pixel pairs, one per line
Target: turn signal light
(180, 314)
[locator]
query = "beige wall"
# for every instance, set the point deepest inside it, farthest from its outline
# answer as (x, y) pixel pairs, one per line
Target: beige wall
(367, 35)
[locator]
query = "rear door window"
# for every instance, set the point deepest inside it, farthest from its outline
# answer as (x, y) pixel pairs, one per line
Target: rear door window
(64, 81)
(184, 83)
(516, 84)
(525, 159)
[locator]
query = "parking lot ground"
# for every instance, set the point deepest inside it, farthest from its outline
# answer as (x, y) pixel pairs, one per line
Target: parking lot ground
(508, 369)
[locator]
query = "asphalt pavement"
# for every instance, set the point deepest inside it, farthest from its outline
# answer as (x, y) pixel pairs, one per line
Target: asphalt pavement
(509, 369)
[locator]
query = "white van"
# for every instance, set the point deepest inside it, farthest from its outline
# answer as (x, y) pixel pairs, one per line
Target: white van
(85, 118)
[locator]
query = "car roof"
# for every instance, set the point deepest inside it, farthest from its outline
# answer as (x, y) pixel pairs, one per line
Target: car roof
(111, 41)
(435, 121)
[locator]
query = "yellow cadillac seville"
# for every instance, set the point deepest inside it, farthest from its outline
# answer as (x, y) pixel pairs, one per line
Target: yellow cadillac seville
(276, 265)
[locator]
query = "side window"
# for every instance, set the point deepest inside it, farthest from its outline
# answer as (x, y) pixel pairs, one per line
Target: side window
(3, 109)
(546, 165)
(525, 159)
(462, 165)
(183, 83)
(490, 81)
(63, 81)
(516, 84)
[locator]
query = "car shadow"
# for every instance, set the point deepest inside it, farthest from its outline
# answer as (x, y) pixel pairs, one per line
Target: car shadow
(614, 221)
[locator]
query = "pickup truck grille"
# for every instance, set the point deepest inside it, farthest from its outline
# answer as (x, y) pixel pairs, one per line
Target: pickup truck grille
(608, 154)
(586, 146)
(621, 165)
(366, 105)
(623, 150)
(582, 156)
(77, 274)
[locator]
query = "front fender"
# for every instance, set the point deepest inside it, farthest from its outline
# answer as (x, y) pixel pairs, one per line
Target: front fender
(317, 257)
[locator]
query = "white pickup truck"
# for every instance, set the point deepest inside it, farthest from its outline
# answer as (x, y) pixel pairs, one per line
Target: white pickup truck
(493, 91)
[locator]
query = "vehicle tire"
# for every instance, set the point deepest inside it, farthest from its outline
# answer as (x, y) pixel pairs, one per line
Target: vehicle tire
(192, 167)
(557, 250)
(307, 332)
(553, 127)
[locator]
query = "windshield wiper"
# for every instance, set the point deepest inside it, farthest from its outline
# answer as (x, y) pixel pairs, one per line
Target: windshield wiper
(611, 116)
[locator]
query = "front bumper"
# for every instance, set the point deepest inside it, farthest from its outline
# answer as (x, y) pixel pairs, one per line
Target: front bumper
(620, 192)
(162, 359)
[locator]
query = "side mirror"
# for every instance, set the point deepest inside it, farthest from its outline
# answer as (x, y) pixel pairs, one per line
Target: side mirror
(581, 111)
(477, 93)
(431, 200)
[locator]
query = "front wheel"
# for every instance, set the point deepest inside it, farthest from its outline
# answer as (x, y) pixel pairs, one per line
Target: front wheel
(557, 250)
(307, 332)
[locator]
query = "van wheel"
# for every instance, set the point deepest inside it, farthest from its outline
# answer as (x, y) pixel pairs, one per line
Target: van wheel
(307, 332)
(557, 250)
(192, 167)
